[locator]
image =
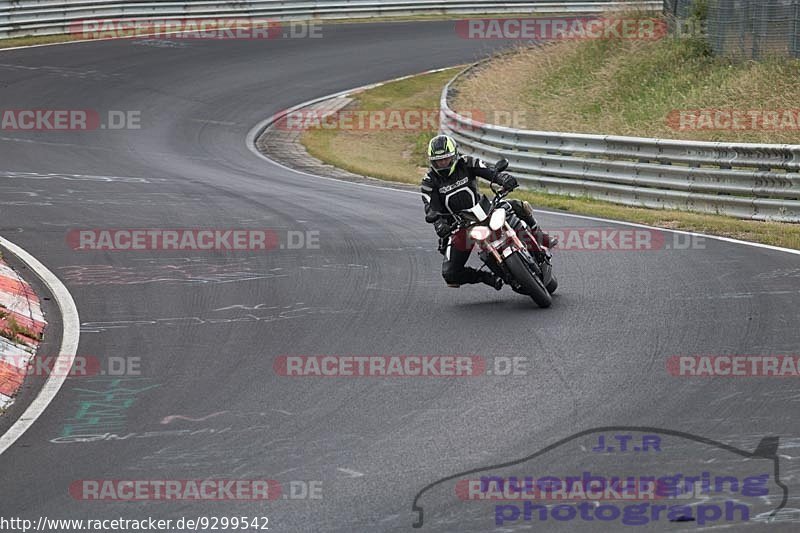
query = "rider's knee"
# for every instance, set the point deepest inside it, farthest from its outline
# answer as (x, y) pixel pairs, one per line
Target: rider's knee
(524, 211)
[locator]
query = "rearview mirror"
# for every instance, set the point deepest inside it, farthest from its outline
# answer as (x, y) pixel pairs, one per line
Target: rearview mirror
(501, 165)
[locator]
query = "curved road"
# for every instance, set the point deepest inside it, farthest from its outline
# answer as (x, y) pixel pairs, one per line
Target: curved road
(208, 326)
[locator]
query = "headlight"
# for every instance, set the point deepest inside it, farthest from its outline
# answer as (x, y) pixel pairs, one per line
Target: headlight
(498, 219)
(479, 233)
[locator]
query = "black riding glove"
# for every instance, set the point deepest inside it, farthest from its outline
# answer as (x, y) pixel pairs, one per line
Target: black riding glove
(508, 181)
(443, 229)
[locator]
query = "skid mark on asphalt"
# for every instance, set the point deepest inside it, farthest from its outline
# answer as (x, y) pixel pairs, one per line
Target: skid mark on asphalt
(214, 122)
(190, 458)
(178, 270)
(759, 397)
(158, 43)
(230, 450)
(28, 204)
(257, 307)
(199, 448)
(335, 267)
(350, 473)
(74, 197)
(286, 314)
(186, 270)
(63, 72)
(170, 418)
(405, 249)
(376, 287)
(738, 295)
(113, 150)
(32, 194)
(780, 273)
(77, 177)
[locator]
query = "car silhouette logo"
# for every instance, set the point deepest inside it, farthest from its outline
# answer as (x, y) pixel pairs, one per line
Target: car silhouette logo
(698, 473)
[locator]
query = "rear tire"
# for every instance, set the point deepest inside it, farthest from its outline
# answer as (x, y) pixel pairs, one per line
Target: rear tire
(530, 282)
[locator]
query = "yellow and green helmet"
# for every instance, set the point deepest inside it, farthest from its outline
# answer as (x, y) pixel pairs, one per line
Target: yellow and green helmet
(443, 155)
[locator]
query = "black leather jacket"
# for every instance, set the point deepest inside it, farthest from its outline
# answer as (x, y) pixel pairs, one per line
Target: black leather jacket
(456, 192)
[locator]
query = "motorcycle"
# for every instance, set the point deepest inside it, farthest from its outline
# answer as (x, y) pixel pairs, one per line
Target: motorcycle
(490, 225)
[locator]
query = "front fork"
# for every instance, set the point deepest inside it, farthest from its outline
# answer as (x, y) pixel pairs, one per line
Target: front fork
(493, 253)
(494, 258)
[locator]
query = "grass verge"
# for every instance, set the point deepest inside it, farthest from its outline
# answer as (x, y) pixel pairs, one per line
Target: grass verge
(30, 40)
(399, 155)
(390, 154)
(639, 88)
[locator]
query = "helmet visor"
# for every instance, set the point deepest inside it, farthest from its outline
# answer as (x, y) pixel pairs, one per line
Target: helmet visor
(443, 162)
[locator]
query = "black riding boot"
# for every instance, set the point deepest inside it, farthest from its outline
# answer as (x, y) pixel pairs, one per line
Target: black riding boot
(491, 280)
(470, 276)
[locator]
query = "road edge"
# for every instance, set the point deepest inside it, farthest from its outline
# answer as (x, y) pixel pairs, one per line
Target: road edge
(70, 337)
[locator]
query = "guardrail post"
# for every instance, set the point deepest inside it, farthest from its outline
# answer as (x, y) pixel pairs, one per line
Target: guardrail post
(795, 50)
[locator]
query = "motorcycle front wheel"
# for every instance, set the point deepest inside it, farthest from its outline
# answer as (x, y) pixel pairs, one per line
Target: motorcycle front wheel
(553, 285)
(529, 281)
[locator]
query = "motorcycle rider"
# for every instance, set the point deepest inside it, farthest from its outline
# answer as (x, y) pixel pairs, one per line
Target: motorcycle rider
(451, 186)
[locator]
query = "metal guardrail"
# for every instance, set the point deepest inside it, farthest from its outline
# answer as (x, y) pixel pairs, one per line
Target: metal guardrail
(51, 17)
(751, 181)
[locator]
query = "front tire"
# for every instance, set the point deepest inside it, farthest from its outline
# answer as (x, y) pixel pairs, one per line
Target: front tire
(553, 285)
(529, 281)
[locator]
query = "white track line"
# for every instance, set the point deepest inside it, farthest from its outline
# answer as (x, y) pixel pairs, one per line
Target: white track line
(258, 129)
(69, 345)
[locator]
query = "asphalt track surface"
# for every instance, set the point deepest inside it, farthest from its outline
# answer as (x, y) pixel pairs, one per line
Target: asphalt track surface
(208, 326)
